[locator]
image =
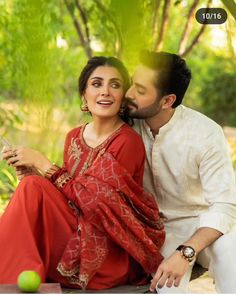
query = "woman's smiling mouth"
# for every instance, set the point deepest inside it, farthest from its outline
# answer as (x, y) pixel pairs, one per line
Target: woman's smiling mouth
(105, 102)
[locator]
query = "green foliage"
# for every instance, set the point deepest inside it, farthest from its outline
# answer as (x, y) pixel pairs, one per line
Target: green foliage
(42, 54)
(8, 180)
(8, 119)
(218, 92)
(8, 183)
(134, 27)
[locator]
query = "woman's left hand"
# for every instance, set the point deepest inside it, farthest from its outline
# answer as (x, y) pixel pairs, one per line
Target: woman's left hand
(27, 157)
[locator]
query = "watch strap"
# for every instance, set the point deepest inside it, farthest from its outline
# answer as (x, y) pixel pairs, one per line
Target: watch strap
(180, 247)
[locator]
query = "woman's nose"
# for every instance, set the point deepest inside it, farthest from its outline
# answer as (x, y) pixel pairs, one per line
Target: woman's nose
(105, 90)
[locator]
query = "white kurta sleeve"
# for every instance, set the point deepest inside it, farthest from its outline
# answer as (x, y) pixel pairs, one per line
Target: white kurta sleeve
(218, 182)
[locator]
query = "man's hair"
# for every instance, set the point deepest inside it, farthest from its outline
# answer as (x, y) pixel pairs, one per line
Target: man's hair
(173, 75)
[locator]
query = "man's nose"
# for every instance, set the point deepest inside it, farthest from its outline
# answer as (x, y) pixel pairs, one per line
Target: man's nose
(129, 93)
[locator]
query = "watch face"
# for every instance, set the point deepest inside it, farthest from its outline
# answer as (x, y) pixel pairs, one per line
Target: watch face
(188, 252)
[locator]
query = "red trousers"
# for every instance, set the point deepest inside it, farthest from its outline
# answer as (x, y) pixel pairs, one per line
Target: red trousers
(34, 231)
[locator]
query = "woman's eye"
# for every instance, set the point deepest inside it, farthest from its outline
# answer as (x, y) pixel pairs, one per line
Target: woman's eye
(115, 85)
(96, 84)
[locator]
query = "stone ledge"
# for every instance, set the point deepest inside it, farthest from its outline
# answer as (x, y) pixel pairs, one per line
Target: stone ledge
(126, 289)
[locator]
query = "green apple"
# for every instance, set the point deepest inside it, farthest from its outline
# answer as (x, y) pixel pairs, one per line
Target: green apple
(29, 281)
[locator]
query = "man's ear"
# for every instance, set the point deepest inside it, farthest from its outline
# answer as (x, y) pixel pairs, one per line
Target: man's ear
(168, 101)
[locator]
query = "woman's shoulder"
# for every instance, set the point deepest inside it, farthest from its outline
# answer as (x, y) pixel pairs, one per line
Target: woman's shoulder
(130, 132)
(75, 131)
(128, 136)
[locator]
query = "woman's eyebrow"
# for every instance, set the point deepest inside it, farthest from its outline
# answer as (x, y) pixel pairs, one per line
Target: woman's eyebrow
(97, 78)
(100, 78)
(116, 79)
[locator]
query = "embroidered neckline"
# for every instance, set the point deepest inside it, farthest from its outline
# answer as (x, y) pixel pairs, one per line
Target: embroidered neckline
(101, 145)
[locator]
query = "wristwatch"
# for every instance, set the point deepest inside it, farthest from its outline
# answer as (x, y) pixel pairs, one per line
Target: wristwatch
(187, 253)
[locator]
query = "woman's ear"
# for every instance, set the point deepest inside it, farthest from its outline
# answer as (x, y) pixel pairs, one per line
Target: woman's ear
(168, 101)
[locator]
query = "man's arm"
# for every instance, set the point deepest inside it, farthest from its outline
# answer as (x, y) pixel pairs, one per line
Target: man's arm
(218, 184)
(173, 268)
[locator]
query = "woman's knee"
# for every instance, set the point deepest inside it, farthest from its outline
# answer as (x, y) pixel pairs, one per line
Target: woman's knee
(30, 187)
(32, 181)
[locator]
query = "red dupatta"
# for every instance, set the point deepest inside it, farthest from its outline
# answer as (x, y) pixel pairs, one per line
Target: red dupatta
(111, 206)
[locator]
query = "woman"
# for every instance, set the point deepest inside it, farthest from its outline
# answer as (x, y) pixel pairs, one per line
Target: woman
(88, 224)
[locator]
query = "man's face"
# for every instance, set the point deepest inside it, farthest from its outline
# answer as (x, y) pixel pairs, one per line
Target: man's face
(144, 101)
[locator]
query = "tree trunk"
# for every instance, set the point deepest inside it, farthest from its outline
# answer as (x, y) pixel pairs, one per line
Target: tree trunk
(196, 38)
(159, 43)
(155, 20)
(188, 27)
(119, 42)
(231, 6)
(83, 39)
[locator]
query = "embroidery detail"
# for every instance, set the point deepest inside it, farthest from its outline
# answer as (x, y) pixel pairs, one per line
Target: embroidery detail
(113, 206)
(158, 224)
(62, 180)
(88, 162)
(100, 146)
(80, 280)
(74, 152)
(92, 151)
(76, 210)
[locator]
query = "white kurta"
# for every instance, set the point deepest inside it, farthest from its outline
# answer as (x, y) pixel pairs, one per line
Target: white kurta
(189, 171)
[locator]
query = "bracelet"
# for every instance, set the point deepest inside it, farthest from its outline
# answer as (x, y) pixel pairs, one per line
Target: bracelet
(50, 171)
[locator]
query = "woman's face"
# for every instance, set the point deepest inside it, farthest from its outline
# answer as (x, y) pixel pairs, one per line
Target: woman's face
(104, 92)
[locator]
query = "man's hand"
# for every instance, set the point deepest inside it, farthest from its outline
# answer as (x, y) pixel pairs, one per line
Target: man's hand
(170, 271)
(173, 268)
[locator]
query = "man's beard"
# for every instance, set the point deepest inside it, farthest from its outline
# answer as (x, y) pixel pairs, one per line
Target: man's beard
(143, 113)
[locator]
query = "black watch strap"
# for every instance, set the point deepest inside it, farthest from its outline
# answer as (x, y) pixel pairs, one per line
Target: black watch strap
(180, 247)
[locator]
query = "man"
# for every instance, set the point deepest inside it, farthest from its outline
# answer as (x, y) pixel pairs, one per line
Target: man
(189, 170)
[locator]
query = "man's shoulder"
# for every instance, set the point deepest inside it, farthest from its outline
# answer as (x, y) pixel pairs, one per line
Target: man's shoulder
(198, 120)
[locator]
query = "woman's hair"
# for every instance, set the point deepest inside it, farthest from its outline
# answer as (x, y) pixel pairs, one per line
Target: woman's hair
(98, 61)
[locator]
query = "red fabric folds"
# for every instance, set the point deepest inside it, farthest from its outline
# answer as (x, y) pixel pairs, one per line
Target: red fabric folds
(111, 206)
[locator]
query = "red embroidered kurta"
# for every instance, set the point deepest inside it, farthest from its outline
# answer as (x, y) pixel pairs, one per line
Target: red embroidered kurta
(100, 231)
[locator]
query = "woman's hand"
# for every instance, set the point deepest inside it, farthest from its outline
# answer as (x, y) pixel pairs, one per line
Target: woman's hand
(23, 171)
(26, 157)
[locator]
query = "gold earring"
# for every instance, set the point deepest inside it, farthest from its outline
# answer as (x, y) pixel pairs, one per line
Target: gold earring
(84, 106)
